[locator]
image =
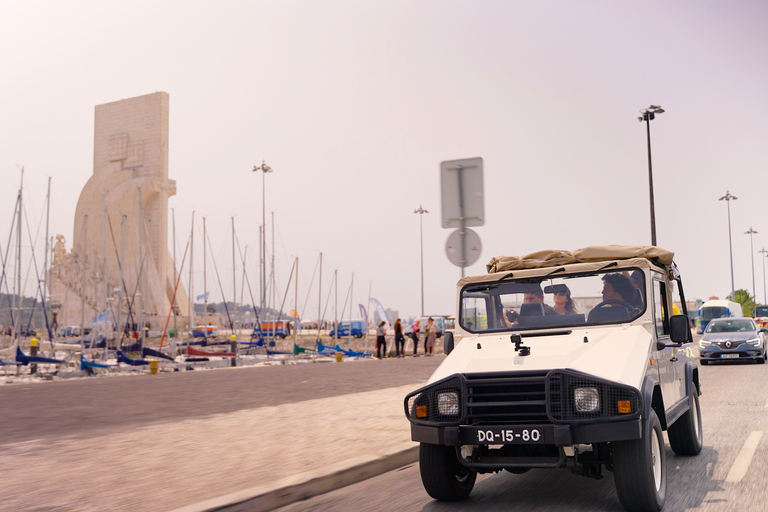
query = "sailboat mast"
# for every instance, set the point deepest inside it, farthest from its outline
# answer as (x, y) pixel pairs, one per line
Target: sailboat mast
(47, 247)
(319, 295)
(234, 279)
(191, 275)
(83, 260)
(104, 273)
(205, 282)
(141, 271)
(175, 327)
(296, 301)
(123, 290)
(17, 296)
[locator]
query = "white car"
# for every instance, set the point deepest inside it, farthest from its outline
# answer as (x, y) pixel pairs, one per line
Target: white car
(532, 380)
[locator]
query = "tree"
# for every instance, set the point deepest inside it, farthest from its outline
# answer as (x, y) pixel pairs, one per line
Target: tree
(746, 300)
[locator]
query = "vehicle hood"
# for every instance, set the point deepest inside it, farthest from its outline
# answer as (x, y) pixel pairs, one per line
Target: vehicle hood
(733, 336)
(619, 354)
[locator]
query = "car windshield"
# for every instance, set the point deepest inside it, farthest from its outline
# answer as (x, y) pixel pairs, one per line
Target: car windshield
(711, 312)
(732, 326)
(558, 300)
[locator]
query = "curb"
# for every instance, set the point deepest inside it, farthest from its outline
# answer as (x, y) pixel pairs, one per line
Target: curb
(311, 483)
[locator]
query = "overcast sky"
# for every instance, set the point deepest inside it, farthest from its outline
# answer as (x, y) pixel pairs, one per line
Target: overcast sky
(354, 104)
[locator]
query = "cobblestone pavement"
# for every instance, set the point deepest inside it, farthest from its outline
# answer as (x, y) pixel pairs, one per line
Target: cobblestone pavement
(210, 433)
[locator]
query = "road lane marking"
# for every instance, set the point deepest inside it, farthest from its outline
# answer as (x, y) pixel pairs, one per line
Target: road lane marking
(744, 458)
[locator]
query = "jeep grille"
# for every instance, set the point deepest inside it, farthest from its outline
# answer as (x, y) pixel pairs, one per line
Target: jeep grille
(508, 398)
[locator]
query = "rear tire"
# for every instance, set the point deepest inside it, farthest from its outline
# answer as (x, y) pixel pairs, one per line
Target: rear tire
(443, 476)
(639, 467)
(685, 435)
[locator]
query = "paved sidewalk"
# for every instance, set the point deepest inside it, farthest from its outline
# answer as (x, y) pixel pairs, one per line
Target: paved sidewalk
(255, 459)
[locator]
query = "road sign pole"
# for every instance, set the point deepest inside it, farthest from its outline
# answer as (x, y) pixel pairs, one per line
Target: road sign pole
(462, 219)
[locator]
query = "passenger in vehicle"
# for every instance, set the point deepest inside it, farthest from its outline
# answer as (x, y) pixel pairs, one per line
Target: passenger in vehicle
(637, 278)
(511, 317)
(564, 304)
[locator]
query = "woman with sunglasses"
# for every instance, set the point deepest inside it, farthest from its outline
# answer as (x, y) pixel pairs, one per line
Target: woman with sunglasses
(563, 301)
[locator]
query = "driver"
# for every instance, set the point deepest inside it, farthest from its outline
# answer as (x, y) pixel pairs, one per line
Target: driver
(618, 287)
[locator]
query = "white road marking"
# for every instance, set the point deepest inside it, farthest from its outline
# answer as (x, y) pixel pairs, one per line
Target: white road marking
(744, 458)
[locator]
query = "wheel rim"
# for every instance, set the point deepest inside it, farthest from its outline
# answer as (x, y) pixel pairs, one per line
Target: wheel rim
(656, 460)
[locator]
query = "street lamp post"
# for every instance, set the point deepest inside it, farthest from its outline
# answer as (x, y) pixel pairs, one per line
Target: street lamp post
(648, 115)
(763, 251)
(263, 254)
(728, 197)
(752, 255)
(421, 211)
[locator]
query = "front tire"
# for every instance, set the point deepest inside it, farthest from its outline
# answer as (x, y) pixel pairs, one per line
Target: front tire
(685, 435)
(443, 476)
(640, 473)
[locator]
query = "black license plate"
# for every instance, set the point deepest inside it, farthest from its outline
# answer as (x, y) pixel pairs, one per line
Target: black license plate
(503, 435)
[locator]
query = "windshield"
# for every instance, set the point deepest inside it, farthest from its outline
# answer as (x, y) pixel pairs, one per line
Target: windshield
(731, 326)
(554, 301)
(761, 311)
(711, 312)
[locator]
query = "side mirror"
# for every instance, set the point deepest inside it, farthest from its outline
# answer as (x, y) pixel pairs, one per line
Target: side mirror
(448, 342)
(763, 329)
(679, 329)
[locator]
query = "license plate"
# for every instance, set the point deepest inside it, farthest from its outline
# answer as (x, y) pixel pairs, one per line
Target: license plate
(729, 356)
(504, 435)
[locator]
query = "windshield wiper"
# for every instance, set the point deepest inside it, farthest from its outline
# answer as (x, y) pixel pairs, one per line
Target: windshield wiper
(504, 278)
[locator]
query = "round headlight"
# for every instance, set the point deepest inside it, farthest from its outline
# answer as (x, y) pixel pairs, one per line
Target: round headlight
(586, 399)
(448, 403)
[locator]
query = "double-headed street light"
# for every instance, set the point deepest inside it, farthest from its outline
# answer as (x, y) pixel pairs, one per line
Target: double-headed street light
(648, 115)
(421, 211)
(752, 255)
(763, 251)
(727, 198)
(263, 251)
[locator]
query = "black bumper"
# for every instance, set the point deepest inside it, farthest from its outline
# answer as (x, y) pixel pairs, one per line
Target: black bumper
(558, 435)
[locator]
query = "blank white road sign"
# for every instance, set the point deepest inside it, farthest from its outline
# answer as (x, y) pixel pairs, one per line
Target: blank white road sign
(470, 172)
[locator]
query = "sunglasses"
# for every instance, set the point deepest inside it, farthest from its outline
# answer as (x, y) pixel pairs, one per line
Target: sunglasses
(561, 293)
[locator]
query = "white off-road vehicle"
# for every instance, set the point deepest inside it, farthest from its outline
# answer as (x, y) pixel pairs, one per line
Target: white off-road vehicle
(563, 360)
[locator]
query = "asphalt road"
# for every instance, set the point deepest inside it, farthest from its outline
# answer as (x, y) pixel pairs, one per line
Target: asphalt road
(734, 408)
(85, 407)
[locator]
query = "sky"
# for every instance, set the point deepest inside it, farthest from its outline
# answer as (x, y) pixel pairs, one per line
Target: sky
(354, 104)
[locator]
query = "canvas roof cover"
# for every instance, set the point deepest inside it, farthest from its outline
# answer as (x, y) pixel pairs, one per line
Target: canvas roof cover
(555, 258)
(586, 259)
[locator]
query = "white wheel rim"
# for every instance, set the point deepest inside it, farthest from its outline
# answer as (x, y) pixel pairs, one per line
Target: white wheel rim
(656, 459)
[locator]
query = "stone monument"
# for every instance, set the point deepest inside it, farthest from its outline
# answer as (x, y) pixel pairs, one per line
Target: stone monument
(119, 252)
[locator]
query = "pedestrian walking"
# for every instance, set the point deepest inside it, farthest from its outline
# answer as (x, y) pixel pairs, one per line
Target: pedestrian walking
(399, 339)
(381, 342)
(430, 336)
(415, 337)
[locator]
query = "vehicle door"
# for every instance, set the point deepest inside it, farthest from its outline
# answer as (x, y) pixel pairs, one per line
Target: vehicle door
(681, 354)
(663, 359)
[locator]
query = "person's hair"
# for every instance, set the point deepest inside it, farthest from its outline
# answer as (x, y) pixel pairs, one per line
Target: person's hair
(397, 323)
(570, 306)
(537, 291)
(621, 285)
(382, 323)
(430, 319)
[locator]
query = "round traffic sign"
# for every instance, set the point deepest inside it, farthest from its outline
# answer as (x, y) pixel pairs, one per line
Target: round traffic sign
(471, 242)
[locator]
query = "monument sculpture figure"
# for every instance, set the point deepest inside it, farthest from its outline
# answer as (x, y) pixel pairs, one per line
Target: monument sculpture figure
(119, 252)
